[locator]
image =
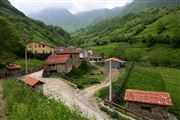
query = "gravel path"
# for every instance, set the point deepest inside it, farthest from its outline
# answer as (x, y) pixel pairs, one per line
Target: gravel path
(60, 90)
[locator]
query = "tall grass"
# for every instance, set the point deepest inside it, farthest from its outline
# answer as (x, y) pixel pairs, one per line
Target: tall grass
(24, 104)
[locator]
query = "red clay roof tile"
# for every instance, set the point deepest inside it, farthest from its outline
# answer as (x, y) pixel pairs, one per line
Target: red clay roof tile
(31, 81)
(57, 59)
(158, 98)
(114, 59)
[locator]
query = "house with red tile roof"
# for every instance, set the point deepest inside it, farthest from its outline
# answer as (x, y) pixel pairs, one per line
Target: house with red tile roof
(34, 83)
(115, 63)
(74, 52)
(150, 104)
(59, 63)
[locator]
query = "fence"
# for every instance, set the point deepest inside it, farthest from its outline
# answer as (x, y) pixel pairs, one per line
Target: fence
(125, 111)
(116, 94)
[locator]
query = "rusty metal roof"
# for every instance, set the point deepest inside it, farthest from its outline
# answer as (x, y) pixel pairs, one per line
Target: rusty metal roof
(149, 97)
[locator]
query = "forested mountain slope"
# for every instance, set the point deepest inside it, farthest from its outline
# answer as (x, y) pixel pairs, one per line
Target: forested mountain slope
(72, 22)
(155, 25)
(17, 30)
(29, 29)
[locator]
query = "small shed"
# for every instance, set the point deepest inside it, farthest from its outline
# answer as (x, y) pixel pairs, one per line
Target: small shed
(34, 83)
(14, 70)
(115, 63)
(150, 104)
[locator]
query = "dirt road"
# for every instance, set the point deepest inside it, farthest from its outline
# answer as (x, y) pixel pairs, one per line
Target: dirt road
(60, 90)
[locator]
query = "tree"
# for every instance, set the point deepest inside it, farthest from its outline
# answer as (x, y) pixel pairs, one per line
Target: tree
(9, 41)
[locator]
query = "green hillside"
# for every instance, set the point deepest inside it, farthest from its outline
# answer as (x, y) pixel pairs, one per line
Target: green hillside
(160, 25)
(153, 32)
(29, 29)
(17, 30)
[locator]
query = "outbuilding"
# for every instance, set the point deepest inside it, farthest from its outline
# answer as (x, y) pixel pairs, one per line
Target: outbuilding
(147, 103)
(59, 63)
(115, 63)
(13, 70)
(34, 83)
(73, 52)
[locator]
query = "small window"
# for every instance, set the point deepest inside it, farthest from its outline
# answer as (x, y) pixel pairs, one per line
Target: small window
(39, 46)
(147, 108)
(43, 46)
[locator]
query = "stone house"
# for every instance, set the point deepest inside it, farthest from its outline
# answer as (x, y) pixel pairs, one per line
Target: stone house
(115, 63)
(150, 104)
(34, 83)
(59, 63)
(73, 52)
(39, 47)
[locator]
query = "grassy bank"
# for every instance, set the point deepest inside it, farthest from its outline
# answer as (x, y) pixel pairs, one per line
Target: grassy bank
(24, 104)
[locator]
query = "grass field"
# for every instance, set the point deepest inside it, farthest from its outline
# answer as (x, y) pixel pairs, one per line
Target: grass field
(152, 79)
(157, 79)
(24, 104)
(32, 63)
(164, 55)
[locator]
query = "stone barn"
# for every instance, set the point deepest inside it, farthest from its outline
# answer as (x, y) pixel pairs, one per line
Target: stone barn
(59, 63)
(115, 62)
(70, 51)
(150, 104)
(34, 83)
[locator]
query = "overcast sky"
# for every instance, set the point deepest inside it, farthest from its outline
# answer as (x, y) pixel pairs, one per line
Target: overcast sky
(75, 6)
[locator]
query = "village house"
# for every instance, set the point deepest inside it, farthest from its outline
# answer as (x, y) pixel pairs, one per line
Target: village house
(70, 51)
(150, 104)
(115, 63)
(34, 83)
(59, 63)
(39, 47)
(94, 56)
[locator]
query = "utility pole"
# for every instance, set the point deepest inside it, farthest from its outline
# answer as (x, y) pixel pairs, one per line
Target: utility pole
(26, 61)
(110, 81)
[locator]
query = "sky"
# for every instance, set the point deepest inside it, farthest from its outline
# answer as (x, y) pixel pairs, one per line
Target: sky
(74, 6)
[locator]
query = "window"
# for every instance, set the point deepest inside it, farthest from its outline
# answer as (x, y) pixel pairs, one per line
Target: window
(35, 46)
(39, 45)
(43, 46)
(146, 107)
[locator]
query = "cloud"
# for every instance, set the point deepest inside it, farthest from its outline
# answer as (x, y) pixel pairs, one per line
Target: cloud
(75, 6)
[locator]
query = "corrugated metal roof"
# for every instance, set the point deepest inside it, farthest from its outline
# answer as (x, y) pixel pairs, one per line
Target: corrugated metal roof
(157, 98)
(31, 81)
(57, 59)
